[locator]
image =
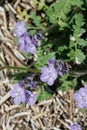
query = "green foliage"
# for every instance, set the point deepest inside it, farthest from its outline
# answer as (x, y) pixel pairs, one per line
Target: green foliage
(44, 95)
(44, 53)
(36, 19)
(58, 12)
(76, 42)
(40, 4)
(67, 41)
(77, 3)
(42, 60)
(67, 83)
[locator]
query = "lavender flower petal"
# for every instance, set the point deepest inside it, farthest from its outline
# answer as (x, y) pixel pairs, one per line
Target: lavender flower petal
(31, 48)
(50, 82)
(17, 101)
(45, 69)
(35, 41)
(75, 127)
(81, 97)
(19, 94)
(25, 44)
(31, 98)
(85, 85)
(44, 77)
(49, 74)
(20, 28)
(51, 61)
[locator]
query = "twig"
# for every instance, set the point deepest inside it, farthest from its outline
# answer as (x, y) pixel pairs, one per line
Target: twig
(16, 3)
(19, 115)
(12, 127)
(4, 17)
(66, 125)
(44, 102)
(63, 108)
(40, 122)
(71, 104)
(5, 98)
(12, 107)
(11, 54)
(39, 115)
(3, 126)
(11, 8)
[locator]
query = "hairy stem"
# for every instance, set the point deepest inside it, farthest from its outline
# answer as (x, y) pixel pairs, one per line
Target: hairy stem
(78, 73)
(21, 68)
(26, 68)
(50, 28)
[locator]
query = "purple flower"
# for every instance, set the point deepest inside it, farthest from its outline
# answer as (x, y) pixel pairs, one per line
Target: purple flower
(20, 28)
(52, 61)
(19, 94)
(26, 45)
(40, 36)
(61, 67)
(32, 84)
(85, 85)
(31, 98)
(75, 127)
(28, 83)
(49, 74)
(81, 97)
(35, 41)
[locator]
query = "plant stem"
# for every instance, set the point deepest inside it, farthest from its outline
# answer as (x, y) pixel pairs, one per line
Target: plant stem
(21, 68)
(1, 68)
(18, 67)
(78, 73)
(50, 28)
(47, 30)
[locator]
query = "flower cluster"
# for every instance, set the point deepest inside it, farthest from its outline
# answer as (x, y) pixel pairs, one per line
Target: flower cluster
(61, 67)
(75, 127)
(54, 69)
(81, 97)
(21, 94)
(28, 83)
(26, 43)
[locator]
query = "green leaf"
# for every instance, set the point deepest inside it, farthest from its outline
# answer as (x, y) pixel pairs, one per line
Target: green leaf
(36, 19)
(41, 4)
(44, 95)
(76, 42)
(71, 55)
(82, 42)
(79, 56)
(77, 3)
(43, 59)
(66, 83)
(58, 11)
(79, 22)
(62, 48)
